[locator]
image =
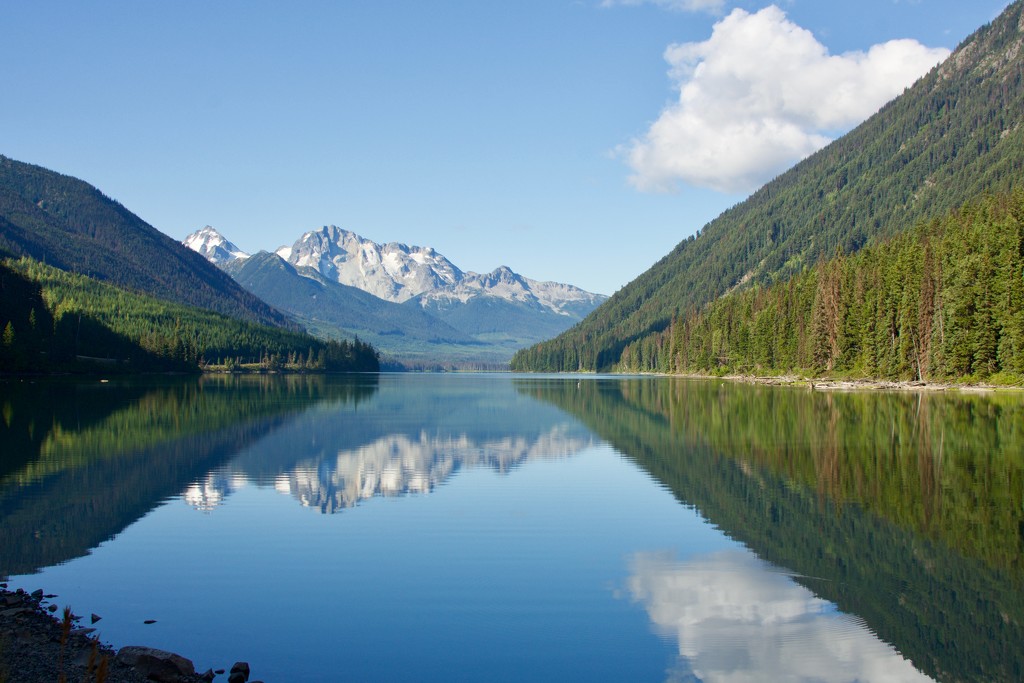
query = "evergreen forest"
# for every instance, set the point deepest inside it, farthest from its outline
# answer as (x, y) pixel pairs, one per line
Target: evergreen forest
(944, 301)
(52, 321)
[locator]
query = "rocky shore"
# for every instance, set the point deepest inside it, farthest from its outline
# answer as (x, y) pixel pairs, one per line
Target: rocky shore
(828, 384)
(40, 643)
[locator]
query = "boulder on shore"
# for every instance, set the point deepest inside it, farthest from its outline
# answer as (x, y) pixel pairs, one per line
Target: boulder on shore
(156, 665)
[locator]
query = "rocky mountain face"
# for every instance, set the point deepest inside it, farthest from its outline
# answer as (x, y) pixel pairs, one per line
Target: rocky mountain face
(397, 272)
(393, 272)
(212, 245)
(476, 317)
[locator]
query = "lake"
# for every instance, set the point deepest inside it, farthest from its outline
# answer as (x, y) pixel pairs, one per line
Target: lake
(415, 527)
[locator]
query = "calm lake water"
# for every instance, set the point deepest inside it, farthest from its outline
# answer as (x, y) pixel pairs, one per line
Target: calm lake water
(525, 528)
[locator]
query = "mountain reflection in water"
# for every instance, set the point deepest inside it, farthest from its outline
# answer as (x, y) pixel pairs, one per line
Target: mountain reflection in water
(84, 459)
(392, 465)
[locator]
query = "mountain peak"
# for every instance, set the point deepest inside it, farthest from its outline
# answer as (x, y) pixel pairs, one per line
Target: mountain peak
(213, 246)
(410, 301)
(394, 272)
(398, 272)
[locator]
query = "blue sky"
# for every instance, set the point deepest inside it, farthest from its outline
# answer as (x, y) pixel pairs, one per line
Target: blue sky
(571, 140)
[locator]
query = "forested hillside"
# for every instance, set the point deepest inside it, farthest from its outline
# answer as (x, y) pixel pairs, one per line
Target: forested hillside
(54, 320)
(951, 138)
(68, 223)
(943, 301)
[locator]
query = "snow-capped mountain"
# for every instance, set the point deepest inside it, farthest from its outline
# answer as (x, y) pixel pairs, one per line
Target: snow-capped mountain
(397, 272)
(393, 272)
(503, 283)
(213, 246)
(411, 302)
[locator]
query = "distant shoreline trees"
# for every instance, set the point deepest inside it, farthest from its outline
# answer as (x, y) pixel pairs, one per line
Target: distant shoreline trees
(944, 301)
(55, 321)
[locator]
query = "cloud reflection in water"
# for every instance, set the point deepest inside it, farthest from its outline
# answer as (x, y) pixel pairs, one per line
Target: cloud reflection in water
(739, 620)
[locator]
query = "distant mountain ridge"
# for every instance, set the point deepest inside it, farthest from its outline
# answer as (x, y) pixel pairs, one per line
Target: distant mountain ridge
(397, 272)
(409, 301)
(325, 305)
(955, 135)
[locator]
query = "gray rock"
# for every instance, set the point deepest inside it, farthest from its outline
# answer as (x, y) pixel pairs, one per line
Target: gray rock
(156, 665)
(239, 672)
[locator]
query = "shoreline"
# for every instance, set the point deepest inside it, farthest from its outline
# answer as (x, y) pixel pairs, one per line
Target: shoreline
(837, 384)
(41, 642)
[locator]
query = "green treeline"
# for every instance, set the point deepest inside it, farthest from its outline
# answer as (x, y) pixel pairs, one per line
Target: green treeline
(53, 320)
(944, 301)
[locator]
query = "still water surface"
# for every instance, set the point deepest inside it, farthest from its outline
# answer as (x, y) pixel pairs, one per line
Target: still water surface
(525, 528)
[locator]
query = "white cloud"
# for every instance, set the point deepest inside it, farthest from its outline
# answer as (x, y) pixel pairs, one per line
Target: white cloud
(738, 620)
(713, 6)
(760, 94)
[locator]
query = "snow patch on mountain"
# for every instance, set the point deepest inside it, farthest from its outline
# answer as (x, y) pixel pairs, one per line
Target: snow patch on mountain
(397, 272)
(213, 246)
(504, 283)
(394, 272)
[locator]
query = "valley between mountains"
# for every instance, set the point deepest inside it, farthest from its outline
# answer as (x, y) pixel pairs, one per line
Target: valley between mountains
(413, 304)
